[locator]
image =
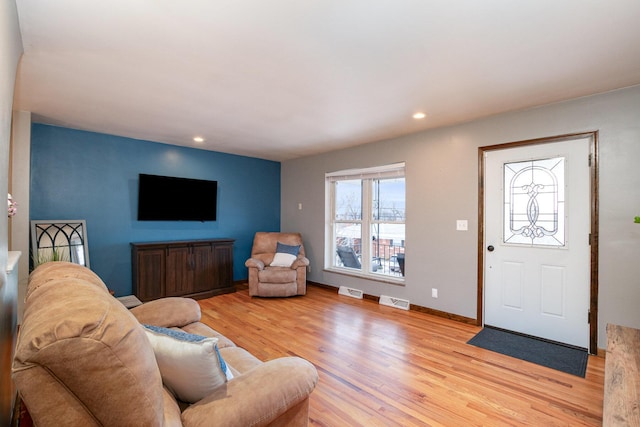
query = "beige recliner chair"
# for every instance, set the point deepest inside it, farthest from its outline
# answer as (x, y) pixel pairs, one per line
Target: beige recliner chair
(277, 274)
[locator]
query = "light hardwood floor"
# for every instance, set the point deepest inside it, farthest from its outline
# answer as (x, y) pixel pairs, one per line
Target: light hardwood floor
(381, 366)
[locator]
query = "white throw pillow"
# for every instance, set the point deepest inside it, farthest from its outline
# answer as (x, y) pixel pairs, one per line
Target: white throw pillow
(283, 260)
(190, 365)
(285, 255)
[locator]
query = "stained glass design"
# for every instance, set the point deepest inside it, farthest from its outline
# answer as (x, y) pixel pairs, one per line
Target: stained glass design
(534, 202)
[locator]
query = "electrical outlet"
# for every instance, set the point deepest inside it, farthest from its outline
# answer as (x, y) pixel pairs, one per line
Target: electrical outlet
(434, 293)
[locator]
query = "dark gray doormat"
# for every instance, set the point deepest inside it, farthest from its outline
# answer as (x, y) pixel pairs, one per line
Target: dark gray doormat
(572, 360)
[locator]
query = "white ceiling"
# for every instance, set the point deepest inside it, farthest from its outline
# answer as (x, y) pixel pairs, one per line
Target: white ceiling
(280, 79)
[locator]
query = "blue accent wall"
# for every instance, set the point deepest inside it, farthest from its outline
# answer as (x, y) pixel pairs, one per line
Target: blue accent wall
(85, 175)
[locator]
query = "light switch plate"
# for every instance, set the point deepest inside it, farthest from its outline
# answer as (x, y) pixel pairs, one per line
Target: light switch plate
(462, 225)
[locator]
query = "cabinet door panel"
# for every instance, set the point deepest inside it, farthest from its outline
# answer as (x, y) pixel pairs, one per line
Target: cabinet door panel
(179, 272)
(223, 266)
(203, 272)
(150, 274)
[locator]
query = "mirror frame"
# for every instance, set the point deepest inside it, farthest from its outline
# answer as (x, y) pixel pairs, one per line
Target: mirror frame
(60, 234)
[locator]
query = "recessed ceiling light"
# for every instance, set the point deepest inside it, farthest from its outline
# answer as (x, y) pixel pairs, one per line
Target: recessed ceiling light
(198, 139)
(419, 116)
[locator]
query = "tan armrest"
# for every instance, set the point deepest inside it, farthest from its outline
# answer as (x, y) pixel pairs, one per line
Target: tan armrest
(300, 262)
(168, 312)
(256, 263)
(256, 397)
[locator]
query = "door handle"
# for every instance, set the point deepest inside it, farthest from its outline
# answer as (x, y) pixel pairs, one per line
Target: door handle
(490, 248)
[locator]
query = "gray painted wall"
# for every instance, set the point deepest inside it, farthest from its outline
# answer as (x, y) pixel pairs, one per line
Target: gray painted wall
(442, 186)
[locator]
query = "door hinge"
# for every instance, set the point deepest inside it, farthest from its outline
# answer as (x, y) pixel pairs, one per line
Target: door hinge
(589, 239)
(590, 157)
(589, 317)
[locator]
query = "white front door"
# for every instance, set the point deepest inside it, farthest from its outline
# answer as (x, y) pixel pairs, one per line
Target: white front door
(537, 253)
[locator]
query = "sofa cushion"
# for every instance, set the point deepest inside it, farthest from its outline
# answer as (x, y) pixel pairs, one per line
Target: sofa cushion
(239, 360)
(277, 275)
(285, 255)
(199, 328)
(190, 365)
(168, 312)
(277, 289)
(58, 270)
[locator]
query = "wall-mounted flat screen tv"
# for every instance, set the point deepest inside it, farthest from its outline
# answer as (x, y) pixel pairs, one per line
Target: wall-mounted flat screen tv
(168, 198)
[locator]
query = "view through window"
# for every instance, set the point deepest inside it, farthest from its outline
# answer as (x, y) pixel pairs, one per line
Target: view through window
(367, 221)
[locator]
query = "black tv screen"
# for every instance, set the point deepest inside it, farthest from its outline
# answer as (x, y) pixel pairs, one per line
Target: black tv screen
(167, 198)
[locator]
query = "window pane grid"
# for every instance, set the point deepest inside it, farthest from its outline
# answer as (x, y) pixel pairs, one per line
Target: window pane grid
(368, 209)
(348, 201)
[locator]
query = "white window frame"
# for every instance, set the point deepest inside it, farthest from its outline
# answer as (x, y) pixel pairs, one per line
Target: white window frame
(396, 170)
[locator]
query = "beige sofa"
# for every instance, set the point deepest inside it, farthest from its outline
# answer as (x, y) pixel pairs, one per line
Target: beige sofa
(83, 359)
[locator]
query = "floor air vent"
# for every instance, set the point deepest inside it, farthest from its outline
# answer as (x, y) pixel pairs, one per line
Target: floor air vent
(350, 292)
(394, 302)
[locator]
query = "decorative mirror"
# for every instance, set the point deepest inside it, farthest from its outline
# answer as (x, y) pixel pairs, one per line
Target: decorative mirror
(59, 240)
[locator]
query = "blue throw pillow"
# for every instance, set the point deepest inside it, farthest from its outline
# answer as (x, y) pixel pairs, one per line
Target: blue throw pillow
(285, 255)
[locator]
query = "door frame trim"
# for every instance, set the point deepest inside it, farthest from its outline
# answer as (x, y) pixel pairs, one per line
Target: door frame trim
(593, 175)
